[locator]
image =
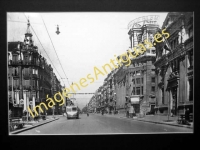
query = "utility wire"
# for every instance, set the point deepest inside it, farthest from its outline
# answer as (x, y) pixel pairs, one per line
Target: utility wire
(55, 50)
(23, 22)
(43, 48)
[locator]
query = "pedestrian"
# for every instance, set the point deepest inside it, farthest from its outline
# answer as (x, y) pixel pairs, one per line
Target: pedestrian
(131, 111)
(187, 117)
(172, 112)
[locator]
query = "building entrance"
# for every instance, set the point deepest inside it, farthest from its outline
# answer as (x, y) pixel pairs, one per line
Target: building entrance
(174, 100)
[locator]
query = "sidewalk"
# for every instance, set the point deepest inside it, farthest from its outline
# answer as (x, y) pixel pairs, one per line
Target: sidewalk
(158, 119)
(32, 124)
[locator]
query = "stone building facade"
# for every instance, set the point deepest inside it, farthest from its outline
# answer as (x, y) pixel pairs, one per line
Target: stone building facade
(174, 65)
(29, 76)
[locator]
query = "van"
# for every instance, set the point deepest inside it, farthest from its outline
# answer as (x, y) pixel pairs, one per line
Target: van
(72, 112)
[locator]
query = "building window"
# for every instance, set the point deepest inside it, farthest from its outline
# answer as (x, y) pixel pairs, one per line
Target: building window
(142, 90)
(15, 59)
(138, 72)
(133, 81)
(162, 95)
(33, 83)
(16, 71)
(153, 88)
(133, 92)
(27, 83)
(190, 56)
(138, 80)
(153, 79)
(191, 90)
(34, 71)
(16, 82)
(142, 80)
(26, 59)
(26, 71)
(190, 32)
(137, 90)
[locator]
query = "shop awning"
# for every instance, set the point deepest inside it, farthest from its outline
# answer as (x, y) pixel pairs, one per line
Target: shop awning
(135, 100)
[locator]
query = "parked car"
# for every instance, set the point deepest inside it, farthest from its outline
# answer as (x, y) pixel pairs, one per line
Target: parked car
(152, 112)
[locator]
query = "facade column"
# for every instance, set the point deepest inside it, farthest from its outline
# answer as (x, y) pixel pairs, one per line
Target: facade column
(25, 108)
(186, 79)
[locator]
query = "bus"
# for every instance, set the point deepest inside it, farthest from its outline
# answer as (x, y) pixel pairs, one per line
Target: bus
(72, 112)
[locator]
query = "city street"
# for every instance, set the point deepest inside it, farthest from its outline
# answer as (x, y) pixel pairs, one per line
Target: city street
(98, 124)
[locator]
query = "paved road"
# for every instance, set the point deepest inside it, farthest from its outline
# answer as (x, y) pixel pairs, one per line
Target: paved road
(97, 124)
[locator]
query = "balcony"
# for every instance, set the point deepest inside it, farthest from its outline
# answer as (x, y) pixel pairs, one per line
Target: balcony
(26, 76)
(35, 88)
(27, 87)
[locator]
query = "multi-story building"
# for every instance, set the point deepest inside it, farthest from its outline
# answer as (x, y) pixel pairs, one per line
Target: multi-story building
(137, 81)
(120, 88)
(174, 65)
(29, 76)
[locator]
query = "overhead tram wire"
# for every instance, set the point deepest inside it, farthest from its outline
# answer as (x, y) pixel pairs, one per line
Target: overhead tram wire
(55, 50)
(43, 48)
(22, 21)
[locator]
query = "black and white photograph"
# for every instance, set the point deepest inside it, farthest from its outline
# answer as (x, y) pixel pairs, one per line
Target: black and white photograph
(100, 73)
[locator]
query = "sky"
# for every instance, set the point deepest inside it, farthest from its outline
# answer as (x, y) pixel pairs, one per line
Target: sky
(86, 39)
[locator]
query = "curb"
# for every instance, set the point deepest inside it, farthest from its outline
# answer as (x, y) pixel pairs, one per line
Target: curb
(160, 123)
(34, 126)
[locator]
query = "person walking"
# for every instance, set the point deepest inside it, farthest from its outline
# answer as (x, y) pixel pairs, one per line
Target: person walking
(128, 107)
(187, 117)
(131, 111)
